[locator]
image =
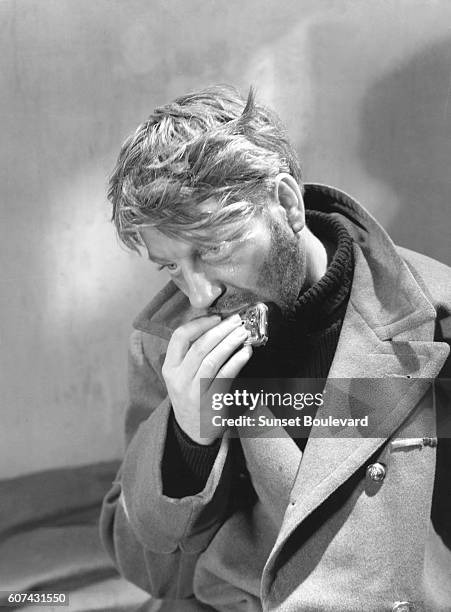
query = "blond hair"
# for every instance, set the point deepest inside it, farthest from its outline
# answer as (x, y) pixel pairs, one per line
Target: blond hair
(208, 144)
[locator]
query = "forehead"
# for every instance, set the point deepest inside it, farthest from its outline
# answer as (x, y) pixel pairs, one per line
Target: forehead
(159, 244)
(161, 247)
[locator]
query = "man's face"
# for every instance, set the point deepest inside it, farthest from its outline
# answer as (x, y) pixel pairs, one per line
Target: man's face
(267, 264)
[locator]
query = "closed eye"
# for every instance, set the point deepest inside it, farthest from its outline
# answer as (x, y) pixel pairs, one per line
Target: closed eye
(171, 267)
(217, 252)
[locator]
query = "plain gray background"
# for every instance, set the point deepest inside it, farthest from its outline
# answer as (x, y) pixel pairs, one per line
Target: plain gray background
(363, 86)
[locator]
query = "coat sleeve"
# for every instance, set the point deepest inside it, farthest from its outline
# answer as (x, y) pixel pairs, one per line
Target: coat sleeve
(155, 540)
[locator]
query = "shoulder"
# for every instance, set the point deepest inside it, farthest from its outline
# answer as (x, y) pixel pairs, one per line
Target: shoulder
(166, 311)
(433, 276)
(155, 324)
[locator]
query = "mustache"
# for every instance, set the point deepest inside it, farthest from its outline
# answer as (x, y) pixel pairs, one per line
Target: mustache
(233, 303)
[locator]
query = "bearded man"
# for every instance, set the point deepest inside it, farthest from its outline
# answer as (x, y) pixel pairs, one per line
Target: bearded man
(205, 517)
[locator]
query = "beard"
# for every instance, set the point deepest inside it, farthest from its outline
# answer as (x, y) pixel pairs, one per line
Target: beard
(280, 277)
(283, 271)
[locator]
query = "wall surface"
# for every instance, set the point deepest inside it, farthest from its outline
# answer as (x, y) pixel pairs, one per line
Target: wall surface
(364, 88)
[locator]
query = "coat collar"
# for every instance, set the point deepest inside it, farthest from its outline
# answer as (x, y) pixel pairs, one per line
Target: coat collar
(399, 356)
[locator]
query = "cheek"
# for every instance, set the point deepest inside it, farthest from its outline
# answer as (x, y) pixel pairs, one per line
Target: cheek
(244, 274)
(252, 259)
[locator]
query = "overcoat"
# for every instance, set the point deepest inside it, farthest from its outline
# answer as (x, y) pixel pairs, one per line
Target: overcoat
(344, 526)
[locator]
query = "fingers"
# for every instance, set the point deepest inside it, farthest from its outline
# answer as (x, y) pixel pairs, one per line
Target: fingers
(185, 335)
(235, 364)
(222, 352)
(200, 348)
(204, 347)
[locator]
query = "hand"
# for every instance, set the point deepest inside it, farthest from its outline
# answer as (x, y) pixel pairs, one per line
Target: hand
(203, 348)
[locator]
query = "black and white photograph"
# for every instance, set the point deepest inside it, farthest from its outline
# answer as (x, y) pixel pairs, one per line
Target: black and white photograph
(225, 370)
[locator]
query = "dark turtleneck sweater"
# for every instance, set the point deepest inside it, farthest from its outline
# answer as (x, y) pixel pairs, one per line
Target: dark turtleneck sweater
(301, 344)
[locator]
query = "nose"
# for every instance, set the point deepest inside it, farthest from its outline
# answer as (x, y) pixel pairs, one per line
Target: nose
(201, 290)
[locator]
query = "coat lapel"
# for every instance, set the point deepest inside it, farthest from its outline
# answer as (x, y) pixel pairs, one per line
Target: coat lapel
(382, 367)
(385, 382)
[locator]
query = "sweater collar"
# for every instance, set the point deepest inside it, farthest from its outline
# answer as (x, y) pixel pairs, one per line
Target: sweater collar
(324, 303)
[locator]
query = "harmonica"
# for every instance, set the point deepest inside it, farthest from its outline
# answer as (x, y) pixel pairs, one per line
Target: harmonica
(255, 320)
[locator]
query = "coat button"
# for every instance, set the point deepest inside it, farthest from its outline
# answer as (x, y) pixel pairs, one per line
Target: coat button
(403, 606)
(377, 471)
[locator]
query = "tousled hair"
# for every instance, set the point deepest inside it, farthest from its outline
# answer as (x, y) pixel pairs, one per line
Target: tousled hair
(207, 144)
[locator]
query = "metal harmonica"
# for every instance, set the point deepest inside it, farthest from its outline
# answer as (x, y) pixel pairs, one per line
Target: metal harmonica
(255, 320)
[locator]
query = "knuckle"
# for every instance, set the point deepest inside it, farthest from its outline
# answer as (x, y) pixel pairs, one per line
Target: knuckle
(209, 364)
(244, 355)
(166, 372)
(177, 335)
(198, 350)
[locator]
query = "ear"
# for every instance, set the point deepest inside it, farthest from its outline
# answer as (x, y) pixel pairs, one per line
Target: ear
(288, 194)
